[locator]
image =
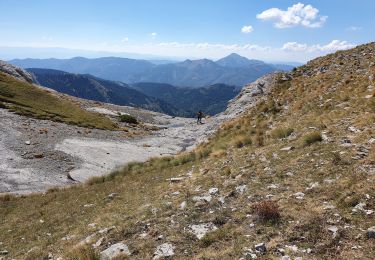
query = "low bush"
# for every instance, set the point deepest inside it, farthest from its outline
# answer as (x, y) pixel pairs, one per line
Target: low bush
(312, 138)
(128, 119)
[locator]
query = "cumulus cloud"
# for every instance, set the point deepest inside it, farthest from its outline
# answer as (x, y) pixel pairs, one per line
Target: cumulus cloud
(294, 46)
(354, 28)
(296, 15)
(125, 40)
(334, 45)
(153, 34)
(247, 29)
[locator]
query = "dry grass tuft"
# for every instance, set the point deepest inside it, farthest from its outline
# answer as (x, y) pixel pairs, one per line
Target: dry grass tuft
(84, 252)
(241, 141)
(267, 210)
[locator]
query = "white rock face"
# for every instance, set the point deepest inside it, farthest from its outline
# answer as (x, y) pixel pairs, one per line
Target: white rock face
(164, 250)
(114, 251)
(201, 230)
(16, 72)
(249, 95)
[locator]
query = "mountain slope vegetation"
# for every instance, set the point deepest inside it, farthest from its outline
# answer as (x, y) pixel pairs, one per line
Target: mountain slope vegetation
(93, 88)
(292, 176)
(27, 99)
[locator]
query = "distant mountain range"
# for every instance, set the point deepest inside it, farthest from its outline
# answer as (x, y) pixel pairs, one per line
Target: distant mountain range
(211, 100)
(152, 96)
(231, 70)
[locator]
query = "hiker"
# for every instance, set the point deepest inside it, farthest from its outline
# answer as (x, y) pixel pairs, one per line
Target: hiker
(199, 116)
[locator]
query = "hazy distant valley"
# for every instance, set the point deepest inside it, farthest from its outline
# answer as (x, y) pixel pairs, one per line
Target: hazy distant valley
(176, 88)
(231, 70)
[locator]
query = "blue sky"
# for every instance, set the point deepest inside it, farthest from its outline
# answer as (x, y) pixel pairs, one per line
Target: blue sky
(190, 28)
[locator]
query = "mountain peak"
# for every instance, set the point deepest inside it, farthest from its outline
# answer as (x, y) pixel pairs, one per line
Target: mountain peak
(234, 55)
(235, 60)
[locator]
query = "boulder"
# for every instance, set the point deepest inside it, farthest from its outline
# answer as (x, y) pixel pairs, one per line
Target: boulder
(201, 230)
(164, 250)
(261, 247)
(114, 250)
(371, 232)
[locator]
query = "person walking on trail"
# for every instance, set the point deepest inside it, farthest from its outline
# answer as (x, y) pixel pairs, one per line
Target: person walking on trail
(199, 116)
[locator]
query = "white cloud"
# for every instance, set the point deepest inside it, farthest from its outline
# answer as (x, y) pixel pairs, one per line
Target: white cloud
(125, 40)
(247, 29)
(153, 34)
(294, 46)
(334, 45)
(298, 14)
(354, 28)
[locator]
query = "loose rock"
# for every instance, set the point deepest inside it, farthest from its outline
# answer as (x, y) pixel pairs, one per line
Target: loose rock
(164, 250)
(261, 247)
(371, 232)
(213, 191)
(299, 195)
(201, 230)
(114, 251)
(241, 189)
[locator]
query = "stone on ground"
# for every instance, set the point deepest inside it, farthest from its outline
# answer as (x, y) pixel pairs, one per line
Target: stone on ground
(201, 230)
(115, 250)
(164, 250)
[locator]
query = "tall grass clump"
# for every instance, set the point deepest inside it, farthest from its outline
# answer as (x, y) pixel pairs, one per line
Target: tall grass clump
(311, 138)
(241, 141)
(280, 133)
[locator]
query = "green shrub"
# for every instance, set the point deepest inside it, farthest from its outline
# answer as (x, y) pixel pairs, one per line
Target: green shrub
(312, 138)
(281, 132)
(128, 119)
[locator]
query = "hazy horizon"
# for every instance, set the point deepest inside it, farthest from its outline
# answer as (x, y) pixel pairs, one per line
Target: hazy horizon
(288, 31)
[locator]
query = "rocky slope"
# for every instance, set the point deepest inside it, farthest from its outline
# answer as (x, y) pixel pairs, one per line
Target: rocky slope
(16, 72)
(291, 176)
